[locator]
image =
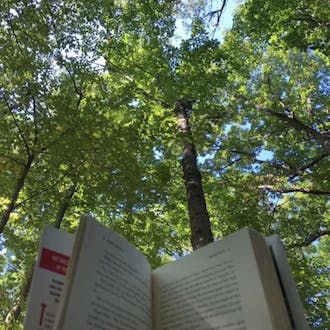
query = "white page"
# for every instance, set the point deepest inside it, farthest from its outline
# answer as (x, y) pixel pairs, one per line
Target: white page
(110, 286)
(218, 287)
(291, 294)
(48, 278)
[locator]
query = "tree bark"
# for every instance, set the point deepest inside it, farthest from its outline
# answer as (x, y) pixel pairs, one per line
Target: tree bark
(65, 204)
(19, 186)
(322, 137)
(201, 233)
(17, 309)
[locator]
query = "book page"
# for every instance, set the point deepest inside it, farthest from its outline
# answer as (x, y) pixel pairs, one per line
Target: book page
(218, 287)
(109, 285)
(288, 285)
(55, 249)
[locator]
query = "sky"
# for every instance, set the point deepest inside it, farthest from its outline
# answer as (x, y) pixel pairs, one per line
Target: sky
(226, 21)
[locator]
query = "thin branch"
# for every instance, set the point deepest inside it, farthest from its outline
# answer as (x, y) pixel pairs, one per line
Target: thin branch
(139, 89)
(283, 165)
(17, 190)
(313, 162)
(293, 122)
(288, 117)
(223, 168)
(16, 310)
(293, 190)
(304, 16)
(27, 147)
(48, 188)
(13, 159)
(34, 106)
(36, 131)
(275, 206)
(74, 83)
(218, 13)
(65, 205)
(311, 239)
(77, 89)
(12, 29)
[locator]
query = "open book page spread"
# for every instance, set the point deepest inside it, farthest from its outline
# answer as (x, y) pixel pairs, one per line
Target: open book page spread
(110, 285)
(217, 287)
(48, 278)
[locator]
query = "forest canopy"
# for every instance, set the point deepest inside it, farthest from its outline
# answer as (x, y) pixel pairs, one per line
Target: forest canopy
(91, 94)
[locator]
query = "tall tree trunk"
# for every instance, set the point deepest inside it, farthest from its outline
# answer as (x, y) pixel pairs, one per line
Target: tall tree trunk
(201, 233)
(15, 312)
(19, 186)
(64, 206)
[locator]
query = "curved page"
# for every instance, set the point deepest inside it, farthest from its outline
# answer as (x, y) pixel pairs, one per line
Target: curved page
(109, 283)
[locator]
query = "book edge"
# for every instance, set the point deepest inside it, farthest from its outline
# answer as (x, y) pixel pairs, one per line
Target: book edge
(68, 284)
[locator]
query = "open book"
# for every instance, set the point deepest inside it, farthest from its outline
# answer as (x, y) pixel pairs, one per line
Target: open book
(231, 284)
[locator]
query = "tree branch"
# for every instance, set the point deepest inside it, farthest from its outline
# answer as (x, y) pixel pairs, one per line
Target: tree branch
(282, 165)
(313, 162)
(312, 238)
(304, 16)
(132, 80)
(34, 103)
(20, 131)
(218, 13)
(12, 29)
(293, 122)
(76, 88)
(26, 285)
(65, 205)
(16, 310)
(17, 161)
(223, 168)
(17, 190)
(36, 131)
(48, 188)
(293, 190)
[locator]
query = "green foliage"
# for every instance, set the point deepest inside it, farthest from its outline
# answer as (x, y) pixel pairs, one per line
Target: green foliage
(275, 145)
(88, 89)
(295, 23)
